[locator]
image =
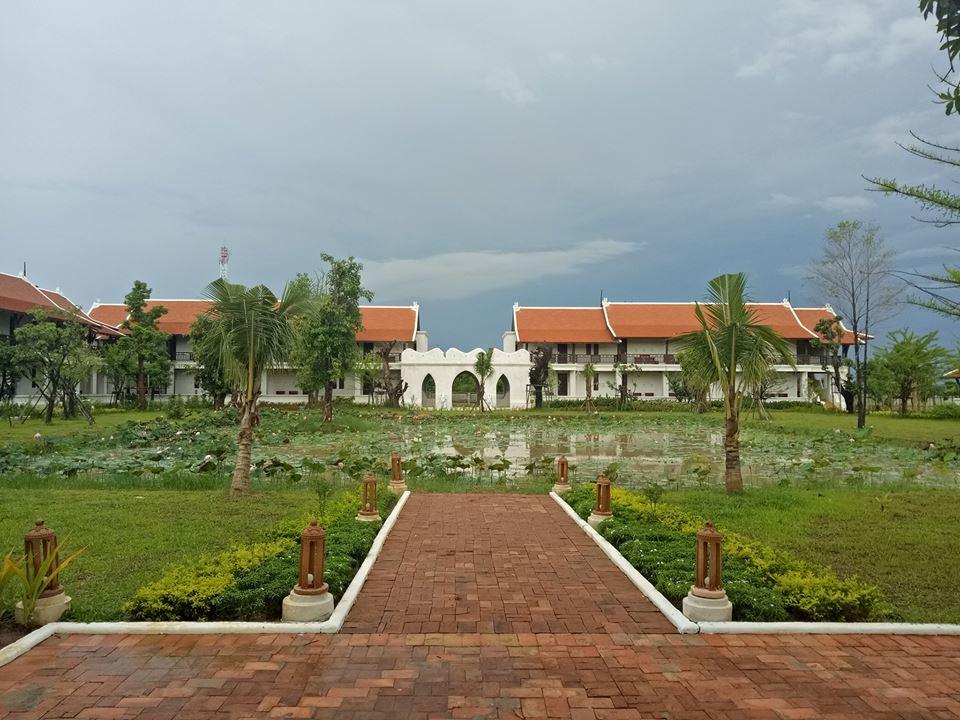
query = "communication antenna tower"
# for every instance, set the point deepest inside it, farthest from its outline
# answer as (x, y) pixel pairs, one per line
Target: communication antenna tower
(224, 260)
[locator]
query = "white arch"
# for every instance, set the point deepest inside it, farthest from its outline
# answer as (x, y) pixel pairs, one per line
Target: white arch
(445, 366)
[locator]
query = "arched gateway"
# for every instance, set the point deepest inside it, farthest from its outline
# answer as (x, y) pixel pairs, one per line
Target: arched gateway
(454, 383)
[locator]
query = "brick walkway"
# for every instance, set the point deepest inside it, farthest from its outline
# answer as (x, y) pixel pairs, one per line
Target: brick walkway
(496, 564)
(628, 669)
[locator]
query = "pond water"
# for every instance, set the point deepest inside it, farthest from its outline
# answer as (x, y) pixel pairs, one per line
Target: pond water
(650, 449)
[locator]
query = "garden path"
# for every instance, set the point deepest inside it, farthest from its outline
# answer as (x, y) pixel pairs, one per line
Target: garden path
(548, 630)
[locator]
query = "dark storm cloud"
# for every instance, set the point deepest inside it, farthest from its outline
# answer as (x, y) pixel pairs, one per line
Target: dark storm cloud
(471, 155)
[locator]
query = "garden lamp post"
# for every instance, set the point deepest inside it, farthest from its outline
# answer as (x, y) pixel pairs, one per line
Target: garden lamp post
(42, 556)
(601, 507)
(397, 485)
(707, 600)
(310, 600)
(368, 509)
(563, 476)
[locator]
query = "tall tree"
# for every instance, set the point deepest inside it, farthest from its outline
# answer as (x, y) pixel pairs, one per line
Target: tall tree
(149, 345)
(209, 372)
(483, 367)
(540, 359)
(854, 275)
(252, 331)
(56, 355)
(120, 366)
(733, 351)
(830, 336)
(325, 343)
(911, 366)
(8, 369)
(589, 373)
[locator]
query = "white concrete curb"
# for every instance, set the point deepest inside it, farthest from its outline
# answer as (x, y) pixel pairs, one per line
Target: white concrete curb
(679, 620)
(332, 625)
(685, 625)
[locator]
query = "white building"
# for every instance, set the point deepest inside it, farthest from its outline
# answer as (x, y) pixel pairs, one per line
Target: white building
(395, 328)
(639, 339)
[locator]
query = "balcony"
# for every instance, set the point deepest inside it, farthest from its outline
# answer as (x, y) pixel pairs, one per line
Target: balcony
(581, 358)
(186, 356)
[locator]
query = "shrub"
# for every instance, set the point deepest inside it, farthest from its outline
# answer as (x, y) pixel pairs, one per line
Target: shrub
(250, 582)
(762, 583)
(946, 411)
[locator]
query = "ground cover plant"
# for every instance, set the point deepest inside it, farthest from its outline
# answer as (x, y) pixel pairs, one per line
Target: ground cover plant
(763, 584)
(151, 493)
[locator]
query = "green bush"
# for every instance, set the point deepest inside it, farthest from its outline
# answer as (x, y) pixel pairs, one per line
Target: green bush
(762, 583)
(946, 411)
(249, 583)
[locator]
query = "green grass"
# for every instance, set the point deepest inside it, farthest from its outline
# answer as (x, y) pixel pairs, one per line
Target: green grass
(907, 430)
(131, 536)
(904, 541)
(104, 420)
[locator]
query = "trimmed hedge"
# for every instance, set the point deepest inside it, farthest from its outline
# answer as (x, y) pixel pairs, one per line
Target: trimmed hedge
(762, 583)
(250, 582)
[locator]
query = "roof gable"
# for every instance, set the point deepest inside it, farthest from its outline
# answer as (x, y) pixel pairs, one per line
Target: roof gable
(554, 324)
(388, 323)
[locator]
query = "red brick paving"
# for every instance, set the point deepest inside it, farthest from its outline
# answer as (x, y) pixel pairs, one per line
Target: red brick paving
(622, 672)
(496, 563)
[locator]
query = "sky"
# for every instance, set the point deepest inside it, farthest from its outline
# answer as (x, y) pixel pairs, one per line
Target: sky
(472, 155)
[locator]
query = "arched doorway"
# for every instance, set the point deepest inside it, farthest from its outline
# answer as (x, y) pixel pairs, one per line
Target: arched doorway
(465, 390)
(503, 392)
(428, 392)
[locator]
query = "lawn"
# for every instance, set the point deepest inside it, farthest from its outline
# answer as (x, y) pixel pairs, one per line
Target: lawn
(146, 495)
(104, 421)
(130, 536)
(904, 541)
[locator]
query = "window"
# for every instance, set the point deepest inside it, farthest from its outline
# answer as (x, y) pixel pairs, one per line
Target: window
(593, 348)
(596, 381)
(341, 383)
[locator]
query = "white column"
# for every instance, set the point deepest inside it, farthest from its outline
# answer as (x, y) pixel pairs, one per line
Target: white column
(666, 384)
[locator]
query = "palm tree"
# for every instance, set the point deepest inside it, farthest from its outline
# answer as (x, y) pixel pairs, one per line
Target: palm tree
(734, 351)
(483, 367)
(250, 331)
(589, 372)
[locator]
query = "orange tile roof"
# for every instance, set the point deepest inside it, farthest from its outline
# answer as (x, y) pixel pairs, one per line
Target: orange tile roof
(546, 324)
(380, 323)
(17, 294)
(388, 323)
(811, 316)
(176, 321)
(667, 320)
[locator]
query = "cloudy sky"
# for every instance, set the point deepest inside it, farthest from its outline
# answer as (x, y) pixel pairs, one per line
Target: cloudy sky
(472, 155)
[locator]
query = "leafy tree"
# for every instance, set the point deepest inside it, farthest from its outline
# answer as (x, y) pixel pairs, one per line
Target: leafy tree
(120, 366)
(623, 371)
(947, 13)
(392, 384)
(56, 355)
(910, 366)
(209, 374)
(540, 360)
(148, 344)
(8, 369)
(830, 336)
(325, 344)
(367, 367)
(589, 373)
(733, 351)
(483, 367)
(762, 390)
(853, 274)
(252, 331)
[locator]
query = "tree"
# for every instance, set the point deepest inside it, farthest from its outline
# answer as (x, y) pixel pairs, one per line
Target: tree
(830, 335)
(589, 373)
(393, 385)
(367, 367)
(732, 350)
(251, 330)
(120, 366)
(687, 386)
(947, 13)
(910, 367)
(209, 373)
(762, 390)
(56, 355)
(623, 370)
(854, 275)
(483, 367)
(148, 344)
(325, 344)
(8, 369)
(540, 360)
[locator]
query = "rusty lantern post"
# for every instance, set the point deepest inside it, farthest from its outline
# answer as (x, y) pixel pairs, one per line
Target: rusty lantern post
(601, 506)
(368, 509)
(39, 544)
(563, 476)
(397, 485)
(313, 542)
(707, 601)
(709, 577)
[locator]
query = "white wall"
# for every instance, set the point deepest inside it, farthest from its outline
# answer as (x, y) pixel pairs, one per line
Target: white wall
(443, 367)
